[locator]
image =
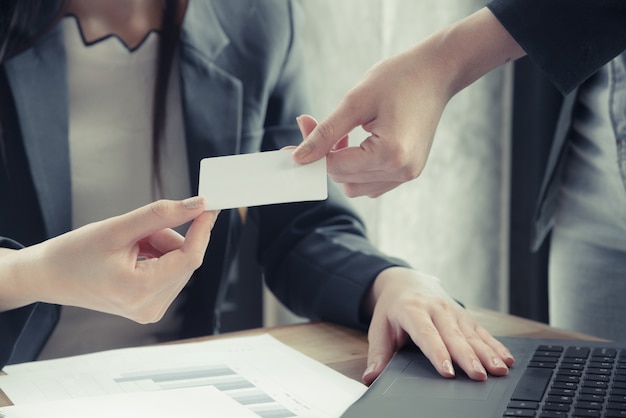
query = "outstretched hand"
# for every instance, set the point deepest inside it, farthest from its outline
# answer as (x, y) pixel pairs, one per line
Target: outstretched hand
(399, 103)
(131, 265)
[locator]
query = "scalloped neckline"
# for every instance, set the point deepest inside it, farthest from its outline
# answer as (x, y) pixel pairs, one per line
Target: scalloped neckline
(109, 36)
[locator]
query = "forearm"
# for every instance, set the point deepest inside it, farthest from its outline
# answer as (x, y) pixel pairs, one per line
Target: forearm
(464, 51)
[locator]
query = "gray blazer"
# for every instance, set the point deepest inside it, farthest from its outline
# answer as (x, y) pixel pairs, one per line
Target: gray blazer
(243, 84)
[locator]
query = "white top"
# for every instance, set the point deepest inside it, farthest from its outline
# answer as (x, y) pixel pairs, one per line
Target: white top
(111, 92)
(110, 107)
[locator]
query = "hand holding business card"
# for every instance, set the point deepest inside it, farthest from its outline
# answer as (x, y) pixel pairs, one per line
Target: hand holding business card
(261, 178)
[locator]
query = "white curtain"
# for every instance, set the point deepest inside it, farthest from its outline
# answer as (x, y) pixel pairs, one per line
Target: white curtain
(452, 221)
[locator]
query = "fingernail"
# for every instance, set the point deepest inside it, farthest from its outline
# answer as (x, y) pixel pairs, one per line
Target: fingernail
(498, 363)
(368, 375)
(507, 355)
(447, 367)
(370, 368)
(478, 367)
(193, 202)
(303, 150)
(299, 122)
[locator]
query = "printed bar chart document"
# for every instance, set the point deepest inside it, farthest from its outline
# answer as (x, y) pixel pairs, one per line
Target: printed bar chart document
(258, 376)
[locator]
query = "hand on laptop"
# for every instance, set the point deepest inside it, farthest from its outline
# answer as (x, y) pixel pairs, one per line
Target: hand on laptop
(131, 265)
(408, 304)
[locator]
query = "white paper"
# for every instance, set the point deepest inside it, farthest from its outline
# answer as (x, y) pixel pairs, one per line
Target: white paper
(262, 178)
(260, 373)
(198, 402)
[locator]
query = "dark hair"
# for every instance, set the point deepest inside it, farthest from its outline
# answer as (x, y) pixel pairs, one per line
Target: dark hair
(23, 21)
(170, 28)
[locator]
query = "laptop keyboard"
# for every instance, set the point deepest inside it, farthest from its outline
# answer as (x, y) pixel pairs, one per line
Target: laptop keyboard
(573, 381)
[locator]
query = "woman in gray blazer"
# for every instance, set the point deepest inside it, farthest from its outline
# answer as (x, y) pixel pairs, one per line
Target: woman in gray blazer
(225, 78)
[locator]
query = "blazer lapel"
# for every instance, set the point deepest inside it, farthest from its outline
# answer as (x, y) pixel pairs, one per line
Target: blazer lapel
(212, 107)
(39, 86)
(212, 98)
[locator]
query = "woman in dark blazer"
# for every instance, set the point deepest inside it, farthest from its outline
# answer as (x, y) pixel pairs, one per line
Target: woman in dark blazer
(579, 45)
(241, 81)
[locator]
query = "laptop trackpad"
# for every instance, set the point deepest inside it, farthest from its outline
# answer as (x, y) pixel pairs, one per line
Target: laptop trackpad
(431, 385)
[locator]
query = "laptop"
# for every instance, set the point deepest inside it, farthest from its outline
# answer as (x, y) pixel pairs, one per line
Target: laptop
(550, 379)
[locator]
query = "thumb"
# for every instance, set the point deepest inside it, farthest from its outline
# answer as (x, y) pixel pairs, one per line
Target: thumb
(321, 140)
(380, 350)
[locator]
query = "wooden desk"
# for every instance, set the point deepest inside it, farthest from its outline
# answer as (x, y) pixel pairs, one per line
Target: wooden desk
(345, 350)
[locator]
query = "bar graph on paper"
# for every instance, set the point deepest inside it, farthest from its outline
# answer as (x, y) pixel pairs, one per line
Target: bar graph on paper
(220, 376)
(261, 374)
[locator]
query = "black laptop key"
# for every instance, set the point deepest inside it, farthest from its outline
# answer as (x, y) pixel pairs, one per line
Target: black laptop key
(545, 353)
(523, 405)
(567, 379)
(519, 413)
(619, 386)
(599, 370)
(590, 398)
(597, 406)
(587, 413)
(601, 364)
(594, 384)
(593, 391)
(553, 414)
(555, 391)
(572, 366)
(555, 406)
(615, 414)
(572, 386)
(550, 347)
(620, 406)
(597, 377)
(604, 352)
(559, 399)
(577, 352)
(542, 365)
(532, 385)
(569, 372)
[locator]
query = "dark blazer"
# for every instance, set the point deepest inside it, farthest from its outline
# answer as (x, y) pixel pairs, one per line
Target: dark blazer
(569, 40)
(243, 84)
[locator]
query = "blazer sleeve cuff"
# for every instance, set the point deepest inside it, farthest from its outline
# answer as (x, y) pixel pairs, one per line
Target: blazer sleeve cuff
(569, 40)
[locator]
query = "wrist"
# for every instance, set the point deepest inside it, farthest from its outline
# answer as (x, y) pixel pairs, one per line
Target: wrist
(384, 279)
(470, 48)
(15, 279)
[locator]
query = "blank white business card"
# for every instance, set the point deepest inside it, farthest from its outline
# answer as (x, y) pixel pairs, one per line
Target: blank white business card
(262, 178)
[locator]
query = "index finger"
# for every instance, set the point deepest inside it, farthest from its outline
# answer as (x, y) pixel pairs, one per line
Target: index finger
(327, 133)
